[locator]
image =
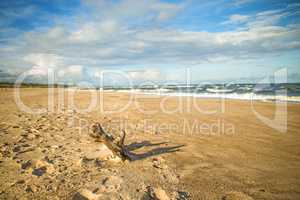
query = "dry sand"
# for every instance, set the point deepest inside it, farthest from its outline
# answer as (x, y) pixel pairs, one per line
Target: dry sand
(47, 156)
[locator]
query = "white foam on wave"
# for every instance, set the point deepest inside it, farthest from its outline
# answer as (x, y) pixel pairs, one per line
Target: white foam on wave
(240, 96)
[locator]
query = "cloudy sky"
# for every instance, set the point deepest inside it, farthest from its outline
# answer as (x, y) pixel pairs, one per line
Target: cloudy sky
(154, 40)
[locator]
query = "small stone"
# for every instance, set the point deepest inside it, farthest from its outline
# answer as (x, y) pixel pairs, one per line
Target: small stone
(159, 163)
(44, 164)
(39, 171)
(183, 195)
(26, 165)
(157, 193)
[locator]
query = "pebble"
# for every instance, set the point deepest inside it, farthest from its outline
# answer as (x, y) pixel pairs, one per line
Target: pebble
(159, 163)
(157, 193)
(182, 195)
(44, 164)
(26, 164)
(39, 171)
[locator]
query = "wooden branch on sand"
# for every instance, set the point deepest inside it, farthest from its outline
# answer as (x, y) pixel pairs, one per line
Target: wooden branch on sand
(118, 148)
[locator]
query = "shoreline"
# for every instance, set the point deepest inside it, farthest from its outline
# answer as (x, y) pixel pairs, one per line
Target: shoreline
(247, 96)
(291, 99)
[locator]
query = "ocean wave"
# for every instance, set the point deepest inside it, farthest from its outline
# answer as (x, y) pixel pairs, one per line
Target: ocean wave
(240, 96)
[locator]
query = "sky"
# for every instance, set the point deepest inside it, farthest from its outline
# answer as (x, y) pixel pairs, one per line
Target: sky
(153, 41)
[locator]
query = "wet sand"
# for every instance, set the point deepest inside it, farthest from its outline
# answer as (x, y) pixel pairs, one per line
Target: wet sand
(223, 147)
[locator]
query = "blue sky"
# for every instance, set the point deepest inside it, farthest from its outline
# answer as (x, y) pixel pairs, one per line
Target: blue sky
(154, 40)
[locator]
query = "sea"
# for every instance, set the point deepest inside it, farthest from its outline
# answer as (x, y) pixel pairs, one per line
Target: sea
(265, 92)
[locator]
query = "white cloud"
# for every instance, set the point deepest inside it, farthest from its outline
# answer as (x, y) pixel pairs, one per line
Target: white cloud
(149, 74)
(267, 18)
(261, 19)
(91, 31)
(38, 71)
(293, 5)
(41, 63)
(237, 18)
(133, 9)
(166, 10)
(239, 3)
(71, 71)
(43, 60)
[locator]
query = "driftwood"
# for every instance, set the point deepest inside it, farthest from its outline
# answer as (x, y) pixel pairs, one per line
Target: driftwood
(118, 148)
(125, 151)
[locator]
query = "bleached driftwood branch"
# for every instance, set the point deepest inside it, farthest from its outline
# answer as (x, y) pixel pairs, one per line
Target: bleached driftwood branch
(118, 148)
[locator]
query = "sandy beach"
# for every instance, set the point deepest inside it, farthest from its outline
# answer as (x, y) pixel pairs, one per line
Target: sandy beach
(219, 150)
